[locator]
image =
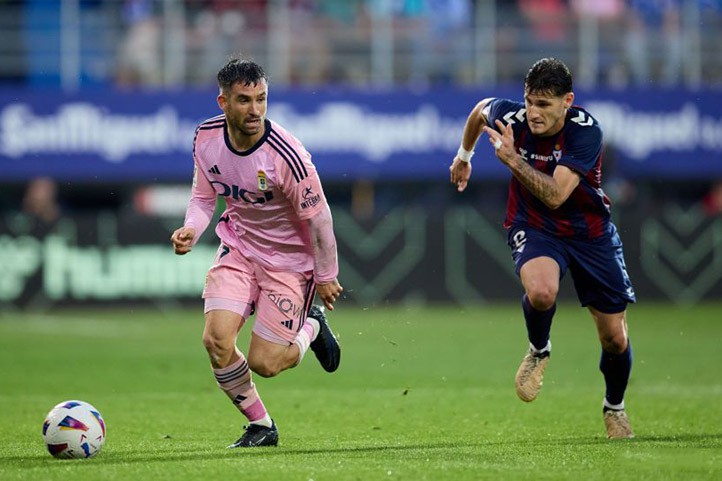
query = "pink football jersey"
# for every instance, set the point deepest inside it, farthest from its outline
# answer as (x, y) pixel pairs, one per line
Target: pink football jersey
(270, 191)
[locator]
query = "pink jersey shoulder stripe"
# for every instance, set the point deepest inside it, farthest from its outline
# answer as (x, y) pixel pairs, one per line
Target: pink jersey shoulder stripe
(214, 121)
(208, 125)
(299, 172)
(212, 126)
(292, 150)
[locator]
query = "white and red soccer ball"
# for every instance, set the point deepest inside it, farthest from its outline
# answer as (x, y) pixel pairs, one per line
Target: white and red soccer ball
(74, 429)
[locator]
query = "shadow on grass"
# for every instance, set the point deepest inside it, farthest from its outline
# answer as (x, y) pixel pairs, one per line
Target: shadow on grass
(189, 453)
(689, 440)
(694, 440)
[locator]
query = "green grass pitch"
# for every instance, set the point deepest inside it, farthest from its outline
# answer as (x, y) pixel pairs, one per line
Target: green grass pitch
(422, 393)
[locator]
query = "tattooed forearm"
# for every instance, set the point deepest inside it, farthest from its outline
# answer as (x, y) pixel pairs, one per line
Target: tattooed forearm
(540, 184)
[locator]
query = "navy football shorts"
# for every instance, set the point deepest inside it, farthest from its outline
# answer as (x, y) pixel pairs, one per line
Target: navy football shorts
(597, 266)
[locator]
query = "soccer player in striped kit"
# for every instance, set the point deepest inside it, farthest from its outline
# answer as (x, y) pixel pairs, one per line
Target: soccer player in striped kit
(558, 219)
(277, 249)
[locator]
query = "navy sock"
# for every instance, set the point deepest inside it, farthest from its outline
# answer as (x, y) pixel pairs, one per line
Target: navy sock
(616, 369)
(538, 323)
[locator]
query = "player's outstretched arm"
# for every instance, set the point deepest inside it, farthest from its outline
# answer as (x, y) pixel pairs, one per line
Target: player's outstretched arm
(325, 260)
(461, 166)
(552, 190)
(198, 214)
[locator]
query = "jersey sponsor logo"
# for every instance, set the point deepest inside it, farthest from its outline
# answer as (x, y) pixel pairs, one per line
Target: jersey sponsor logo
(310, 197)
(262, 181)
(238, 193)
(543, 158)
(215, 170)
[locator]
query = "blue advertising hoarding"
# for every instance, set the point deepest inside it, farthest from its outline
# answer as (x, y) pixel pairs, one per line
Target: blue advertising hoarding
(111, 136)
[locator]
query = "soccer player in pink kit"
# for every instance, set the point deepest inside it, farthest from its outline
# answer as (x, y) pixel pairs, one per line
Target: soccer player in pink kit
(277, 251)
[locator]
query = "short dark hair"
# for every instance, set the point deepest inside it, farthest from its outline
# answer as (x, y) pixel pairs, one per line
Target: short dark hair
(549, 76)
(241, 70)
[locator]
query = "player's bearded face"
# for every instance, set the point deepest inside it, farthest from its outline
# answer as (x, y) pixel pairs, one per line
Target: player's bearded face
(545, 113)
(245, 107)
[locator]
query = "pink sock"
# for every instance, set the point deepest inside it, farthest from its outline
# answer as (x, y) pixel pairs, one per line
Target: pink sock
(305, 336)
(235, 381)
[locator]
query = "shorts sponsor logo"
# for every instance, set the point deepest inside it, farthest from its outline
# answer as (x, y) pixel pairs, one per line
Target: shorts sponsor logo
(285, 304)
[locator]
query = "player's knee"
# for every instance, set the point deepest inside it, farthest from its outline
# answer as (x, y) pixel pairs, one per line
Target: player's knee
(614, 343)
(264, 367)
(217, 348)
(542, 298)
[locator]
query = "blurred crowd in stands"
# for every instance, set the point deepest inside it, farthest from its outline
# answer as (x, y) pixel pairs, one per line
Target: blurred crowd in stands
(367, 42)
(635, 42)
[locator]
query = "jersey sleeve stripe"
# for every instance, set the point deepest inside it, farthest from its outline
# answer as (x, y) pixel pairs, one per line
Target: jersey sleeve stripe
(295, 157)
(294, 169)
(195, 137)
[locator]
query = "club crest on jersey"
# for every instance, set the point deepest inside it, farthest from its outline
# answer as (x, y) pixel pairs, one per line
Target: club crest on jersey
(557, 153)
(262, 182)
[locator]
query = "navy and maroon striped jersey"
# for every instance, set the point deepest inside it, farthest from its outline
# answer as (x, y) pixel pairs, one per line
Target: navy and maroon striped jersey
(578, 146)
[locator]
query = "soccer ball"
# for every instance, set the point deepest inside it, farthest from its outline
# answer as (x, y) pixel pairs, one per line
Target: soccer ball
(74, 429)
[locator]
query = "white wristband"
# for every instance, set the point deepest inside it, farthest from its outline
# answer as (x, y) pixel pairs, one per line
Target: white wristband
(464, 155)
